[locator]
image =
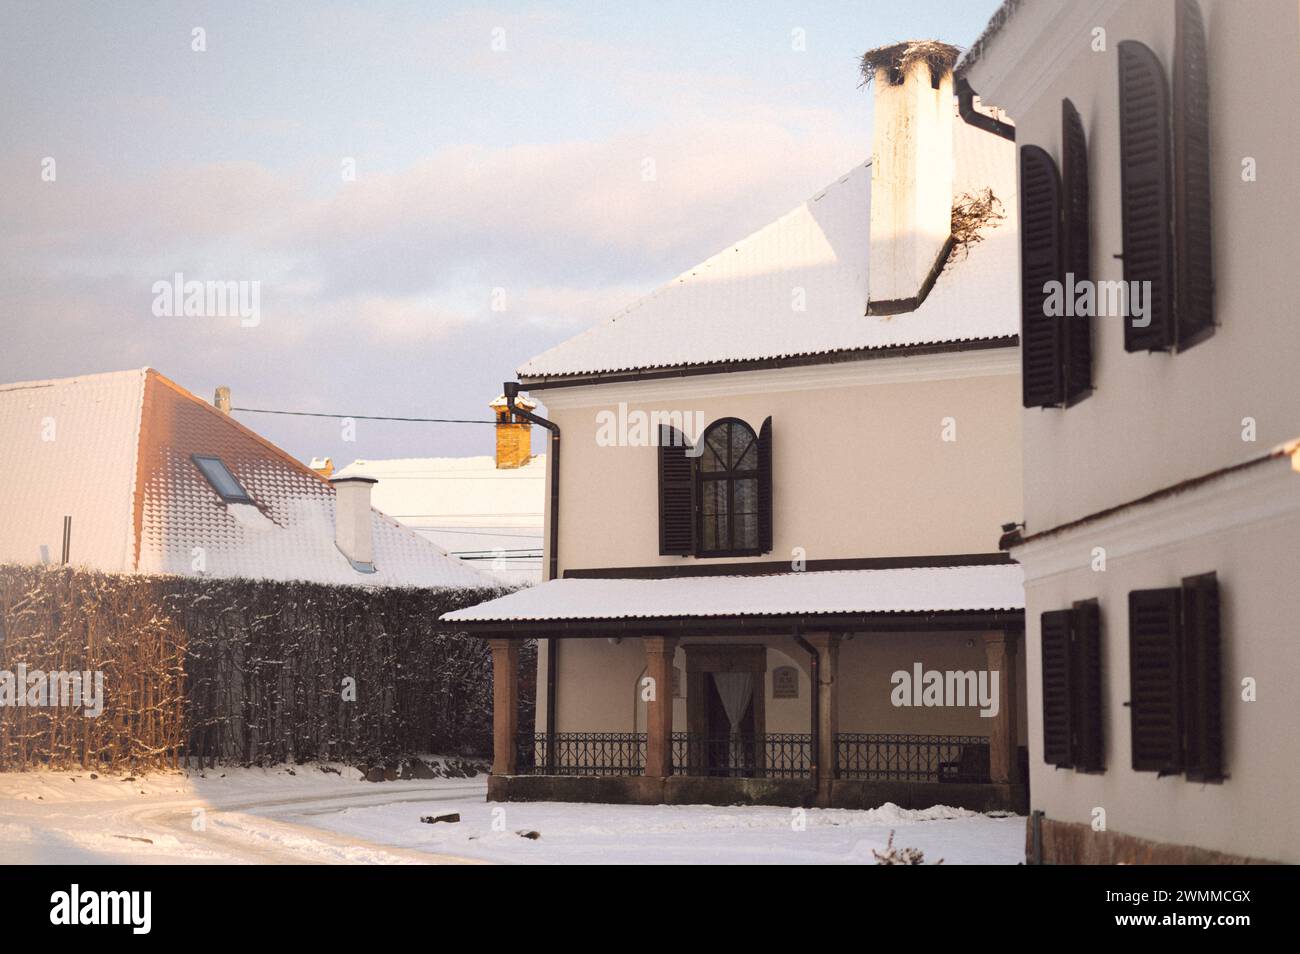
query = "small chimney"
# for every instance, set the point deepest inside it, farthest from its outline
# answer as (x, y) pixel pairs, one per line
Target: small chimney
(514, 433)
(221, 400)
(353, 531)
(322, 465)
(911, 169)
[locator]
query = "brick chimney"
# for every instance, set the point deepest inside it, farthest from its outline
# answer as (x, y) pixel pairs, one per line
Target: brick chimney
(514, 434)
(353, 530)
(911, 170)
(221, 400)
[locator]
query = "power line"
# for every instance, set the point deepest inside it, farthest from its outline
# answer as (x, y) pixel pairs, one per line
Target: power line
(364, 417)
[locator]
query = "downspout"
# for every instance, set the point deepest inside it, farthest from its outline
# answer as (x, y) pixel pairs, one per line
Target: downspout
(972, 117)
(511, 390)
(814, 672)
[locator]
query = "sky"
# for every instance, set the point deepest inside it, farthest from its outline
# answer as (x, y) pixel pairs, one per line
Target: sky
(421, 195)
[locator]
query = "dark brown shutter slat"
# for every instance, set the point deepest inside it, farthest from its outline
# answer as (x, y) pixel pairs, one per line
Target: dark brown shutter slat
(1078, 253)
(765, 486)
(1057, 745)
(1202, 686)
(1193, 258)
(1144, 148)
(1089, 752)
(1040, 262)
(676, 494)
(1154, 700)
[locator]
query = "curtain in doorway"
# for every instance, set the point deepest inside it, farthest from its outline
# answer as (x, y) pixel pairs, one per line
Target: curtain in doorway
(734, 688)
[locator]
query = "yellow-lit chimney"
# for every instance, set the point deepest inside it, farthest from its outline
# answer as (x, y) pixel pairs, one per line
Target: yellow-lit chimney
(514, 434)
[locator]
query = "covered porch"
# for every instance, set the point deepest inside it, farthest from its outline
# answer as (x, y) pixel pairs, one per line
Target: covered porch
(764, 689)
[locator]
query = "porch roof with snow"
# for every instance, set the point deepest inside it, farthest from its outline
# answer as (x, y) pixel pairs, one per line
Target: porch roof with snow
(916, 598)
(735, 309)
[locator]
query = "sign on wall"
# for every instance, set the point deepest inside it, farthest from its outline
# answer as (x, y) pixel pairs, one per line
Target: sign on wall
(785, 682)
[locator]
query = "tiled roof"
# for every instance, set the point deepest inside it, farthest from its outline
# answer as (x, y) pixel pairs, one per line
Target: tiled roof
(737, 305)
(908, 590)
(139, 503)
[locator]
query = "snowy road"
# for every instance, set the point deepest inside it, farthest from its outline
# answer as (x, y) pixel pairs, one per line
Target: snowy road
(273, 816)
(233, 818)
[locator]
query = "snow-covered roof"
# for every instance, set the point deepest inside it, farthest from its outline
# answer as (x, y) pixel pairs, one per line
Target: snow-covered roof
(996, 587)
(120, 463)
(737, 305)
(456, 491)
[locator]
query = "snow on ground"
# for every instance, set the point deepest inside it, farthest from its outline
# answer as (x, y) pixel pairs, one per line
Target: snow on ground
(679, 834)
(316, 817)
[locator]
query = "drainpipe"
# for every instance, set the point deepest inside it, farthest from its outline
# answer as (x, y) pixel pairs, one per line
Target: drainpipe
(966, 109)
(814, 672)
(511, 391)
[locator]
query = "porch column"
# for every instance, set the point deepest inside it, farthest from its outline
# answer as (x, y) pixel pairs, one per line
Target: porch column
(828, 720)
(1000, 653)
(659, 652)
(505, 705)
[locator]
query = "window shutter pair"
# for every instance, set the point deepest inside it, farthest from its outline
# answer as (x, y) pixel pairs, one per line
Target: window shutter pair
(1071, 664)
(677, 497)
(1056, 351)
(1174, 680)
(1165, 187)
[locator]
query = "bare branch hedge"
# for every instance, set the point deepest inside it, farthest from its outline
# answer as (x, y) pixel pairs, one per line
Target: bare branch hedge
(243, 671)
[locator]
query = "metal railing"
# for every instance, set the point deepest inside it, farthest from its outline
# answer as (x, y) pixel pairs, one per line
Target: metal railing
(583, 753)
(870, 756)
(773, 755)
(770, 755)
(899, 757)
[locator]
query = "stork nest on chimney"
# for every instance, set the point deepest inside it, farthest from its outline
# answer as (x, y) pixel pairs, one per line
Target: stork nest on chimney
(971, 212)
(940, 57)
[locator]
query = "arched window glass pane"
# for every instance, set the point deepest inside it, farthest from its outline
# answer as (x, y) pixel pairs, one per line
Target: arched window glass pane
(728, 489)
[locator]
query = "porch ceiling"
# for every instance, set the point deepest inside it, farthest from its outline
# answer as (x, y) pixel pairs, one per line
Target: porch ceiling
(903, 598)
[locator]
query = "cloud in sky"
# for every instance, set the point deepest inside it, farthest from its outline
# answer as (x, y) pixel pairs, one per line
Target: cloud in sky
(596, 157)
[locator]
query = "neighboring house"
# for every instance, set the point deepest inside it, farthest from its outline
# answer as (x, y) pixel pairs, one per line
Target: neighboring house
(485, 510)
(1160, 531)
(723, 621)
(127, 472)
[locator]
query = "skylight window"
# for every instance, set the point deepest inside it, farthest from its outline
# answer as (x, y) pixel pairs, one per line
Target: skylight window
(221, 479)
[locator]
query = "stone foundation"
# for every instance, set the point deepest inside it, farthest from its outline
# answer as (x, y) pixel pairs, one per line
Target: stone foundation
(703, 790)
(1075, 843)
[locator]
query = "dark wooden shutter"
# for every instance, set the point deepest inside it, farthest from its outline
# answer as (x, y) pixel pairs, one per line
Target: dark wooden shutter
(765, 486)
(1202, 687)
(1057, 738)
(1085, 682)
(1145, 191)
(1193, 259)
(1153, 658)
(1078, 256)
(676, 493)
(1040, 262)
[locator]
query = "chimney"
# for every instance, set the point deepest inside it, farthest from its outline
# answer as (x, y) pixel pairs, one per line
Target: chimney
(353, 532)
(221, 400)
(322, 465)
(514, 434)
(911, 170)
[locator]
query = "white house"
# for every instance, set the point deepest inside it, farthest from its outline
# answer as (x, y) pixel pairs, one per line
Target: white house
(1162, 503)
(771, 561)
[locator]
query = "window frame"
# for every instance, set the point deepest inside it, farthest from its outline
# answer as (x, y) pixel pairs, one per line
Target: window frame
(731, 477)
(199, 459)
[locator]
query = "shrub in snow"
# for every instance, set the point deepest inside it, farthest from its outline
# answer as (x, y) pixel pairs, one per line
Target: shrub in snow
(900, 856)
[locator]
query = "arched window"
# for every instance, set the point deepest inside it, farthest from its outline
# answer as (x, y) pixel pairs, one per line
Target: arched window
(728, 477)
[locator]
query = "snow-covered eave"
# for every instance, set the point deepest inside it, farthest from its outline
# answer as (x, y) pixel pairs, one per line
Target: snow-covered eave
(728, 366)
